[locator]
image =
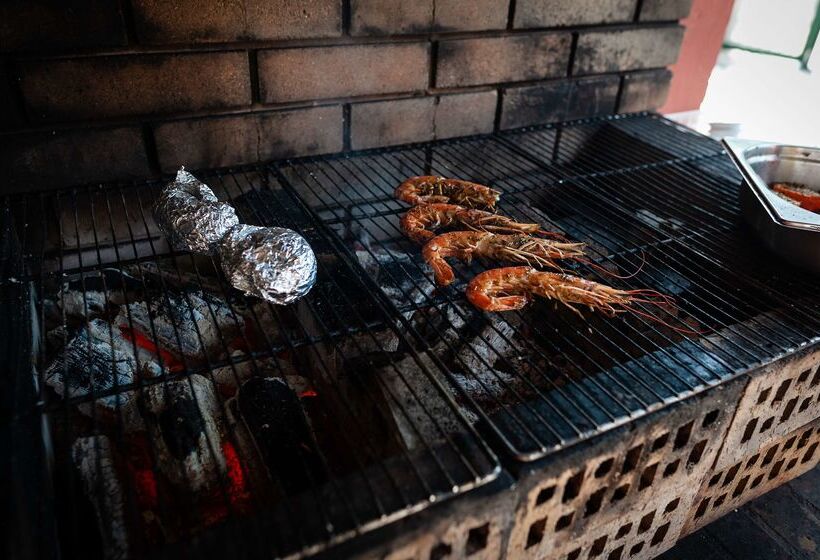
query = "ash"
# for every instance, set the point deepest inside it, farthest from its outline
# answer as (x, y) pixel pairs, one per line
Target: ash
(94, 458)
(479, 349)
(95, 359)
(423, 414)
(190, 324)
(181, 417)
(398, 270)
(92, 294)
(242, 367)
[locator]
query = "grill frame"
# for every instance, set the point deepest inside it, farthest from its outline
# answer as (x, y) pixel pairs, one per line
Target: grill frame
(534, 463)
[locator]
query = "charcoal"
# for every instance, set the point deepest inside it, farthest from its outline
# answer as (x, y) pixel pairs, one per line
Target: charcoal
(90, 303)
(339, 291)
(275, 419)
(487, 339)
(57, 338)
(398, 273)
(328, 360)
(52, 315)
(300, 385)
(244, 367)
(88, 296)
(489, 387)
(382, 340)
(89, 362)
(195, 272)
(253, 468)
(188, 316)
(472, 339)
(94, 459)
(421, 401)
(182, 417)
(263, 317)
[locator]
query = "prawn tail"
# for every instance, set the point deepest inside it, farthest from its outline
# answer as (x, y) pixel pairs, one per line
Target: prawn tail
(666, 324)
(552, 234)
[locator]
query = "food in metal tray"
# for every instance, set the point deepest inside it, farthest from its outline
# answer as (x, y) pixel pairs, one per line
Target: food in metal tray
(191, 216)
(521, 248)
(803, 196)
(276, 264)
(420, 222)
(430, 189)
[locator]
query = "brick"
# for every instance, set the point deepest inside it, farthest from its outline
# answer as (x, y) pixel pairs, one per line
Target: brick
(222, 141)
(41, 25)
(664, 10)
(135, 85)
(557, 13)
(539, 104)
(57, 159)
(558, 101)
(193, 21)
(644, 91)
(386, 123)
(389, 17)
(477, 15)
(592, 97)
(630, 49)
(342, 71)
(535, 56)
(465, 114)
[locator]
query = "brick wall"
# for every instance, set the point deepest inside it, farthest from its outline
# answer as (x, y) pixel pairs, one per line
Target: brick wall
(131, 89)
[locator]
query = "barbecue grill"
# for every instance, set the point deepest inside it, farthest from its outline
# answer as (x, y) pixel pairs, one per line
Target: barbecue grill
(383, 416)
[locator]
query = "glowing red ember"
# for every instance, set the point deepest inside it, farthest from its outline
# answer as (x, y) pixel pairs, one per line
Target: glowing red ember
(169, 360)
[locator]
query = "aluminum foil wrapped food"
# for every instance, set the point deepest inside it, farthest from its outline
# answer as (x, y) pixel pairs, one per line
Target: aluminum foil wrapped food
(273, 263)
(191, 216)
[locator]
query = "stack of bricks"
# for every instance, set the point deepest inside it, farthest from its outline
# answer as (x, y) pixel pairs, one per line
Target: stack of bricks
(96, 90)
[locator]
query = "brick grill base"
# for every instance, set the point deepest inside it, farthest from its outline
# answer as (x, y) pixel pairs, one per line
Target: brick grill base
(634, 492)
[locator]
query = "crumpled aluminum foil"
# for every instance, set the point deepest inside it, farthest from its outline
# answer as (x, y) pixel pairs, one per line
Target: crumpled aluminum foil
(273, 263)
(190, 215)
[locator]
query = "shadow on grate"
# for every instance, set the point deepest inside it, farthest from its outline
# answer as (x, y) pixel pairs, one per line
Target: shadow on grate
(176, 406)
(635, 191)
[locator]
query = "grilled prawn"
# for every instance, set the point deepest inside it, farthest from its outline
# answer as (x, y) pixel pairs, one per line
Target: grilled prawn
(429, 189)
(420, 222)
(522, 248)
(511, 288)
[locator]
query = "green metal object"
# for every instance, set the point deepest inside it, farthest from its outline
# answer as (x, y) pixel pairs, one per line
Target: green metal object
(803, 57)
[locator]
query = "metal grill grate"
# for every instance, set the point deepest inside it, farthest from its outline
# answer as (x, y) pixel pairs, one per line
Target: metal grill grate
(371, 432)
(395, 389)
(633, 189)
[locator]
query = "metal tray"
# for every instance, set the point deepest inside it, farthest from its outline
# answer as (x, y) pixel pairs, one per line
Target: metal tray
(784, 227)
